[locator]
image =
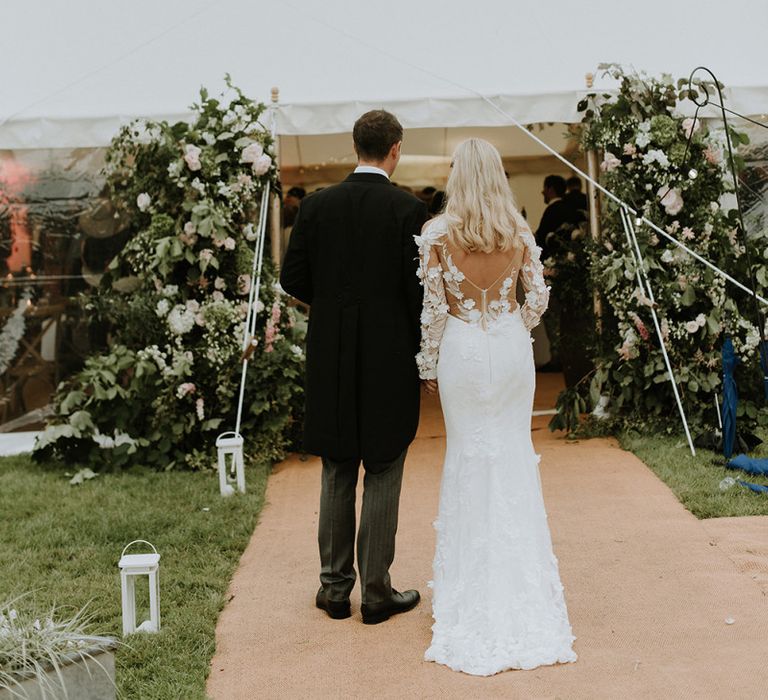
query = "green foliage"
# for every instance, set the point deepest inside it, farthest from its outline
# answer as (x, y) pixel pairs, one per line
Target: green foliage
(174, 301)
(62, 543)
(646, 162)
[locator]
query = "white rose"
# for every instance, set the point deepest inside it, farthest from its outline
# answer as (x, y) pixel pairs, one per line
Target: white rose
(671, 199)
(206, 254)
(163, 307)
(192, 157)
(656, 156)
(217, 296)
(249, 232)
(189, 228)
(180, 320)
(251, 153)
(261, 165)
(143, 201)
(219, 283)
(692, 326)
(229, 243)
(701, 320)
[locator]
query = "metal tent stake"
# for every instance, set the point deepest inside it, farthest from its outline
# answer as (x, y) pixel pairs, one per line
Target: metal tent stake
(229, 445)
(645, 287)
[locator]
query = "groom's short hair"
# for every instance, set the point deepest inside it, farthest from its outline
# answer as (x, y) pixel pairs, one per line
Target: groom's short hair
(374, 133)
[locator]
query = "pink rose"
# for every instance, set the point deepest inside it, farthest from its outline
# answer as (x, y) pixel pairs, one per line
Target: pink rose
(713, 155)
(261, 165)
(671, 199)
(244, 284)
(610, 162)
(185, 388)
(630, 149)
(690, 126)
(192, 157)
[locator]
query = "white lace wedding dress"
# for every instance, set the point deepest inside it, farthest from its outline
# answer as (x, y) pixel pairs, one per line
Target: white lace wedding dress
(497, 598)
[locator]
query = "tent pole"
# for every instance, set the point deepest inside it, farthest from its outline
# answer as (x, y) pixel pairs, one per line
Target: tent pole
(276, 223)
(593, 201)
(644, 285)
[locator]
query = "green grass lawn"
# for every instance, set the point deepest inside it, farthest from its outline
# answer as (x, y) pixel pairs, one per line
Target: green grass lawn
(63, 542)
(695, 480)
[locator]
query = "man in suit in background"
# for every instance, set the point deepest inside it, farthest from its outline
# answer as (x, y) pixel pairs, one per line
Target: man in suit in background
(575, 199)
(353, 259)
(555, 215)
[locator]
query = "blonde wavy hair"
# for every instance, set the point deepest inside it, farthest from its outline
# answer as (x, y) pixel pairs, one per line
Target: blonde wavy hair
(480, 212)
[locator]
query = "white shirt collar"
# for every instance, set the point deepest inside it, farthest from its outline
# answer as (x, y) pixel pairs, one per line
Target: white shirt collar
(371, 169)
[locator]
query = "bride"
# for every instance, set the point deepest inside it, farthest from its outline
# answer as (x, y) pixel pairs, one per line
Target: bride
(497, 598)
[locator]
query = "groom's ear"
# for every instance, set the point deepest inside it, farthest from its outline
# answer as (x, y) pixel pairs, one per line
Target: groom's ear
(394, 152)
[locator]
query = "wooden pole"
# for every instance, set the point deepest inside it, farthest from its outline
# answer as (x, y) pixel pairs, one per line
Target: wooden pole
(276, 223)
(593, 200)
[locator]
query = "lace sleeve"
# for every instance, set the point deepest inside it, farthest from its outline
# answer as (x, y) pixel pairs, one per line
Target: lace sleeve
(532, 276)
(434, 311)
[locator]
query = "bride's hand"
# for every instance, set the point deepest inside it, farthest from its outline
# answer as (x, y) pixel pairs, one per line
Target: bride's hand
(430, 385)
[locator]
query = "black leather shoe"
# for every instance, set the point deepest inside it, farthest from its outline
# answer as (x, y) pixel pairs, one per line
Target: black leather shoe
(337, 609)
(374, 613)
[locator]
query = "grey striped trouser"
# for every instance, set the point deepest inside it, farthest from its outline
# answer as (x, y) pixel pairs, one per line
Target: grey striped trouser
(378, 527)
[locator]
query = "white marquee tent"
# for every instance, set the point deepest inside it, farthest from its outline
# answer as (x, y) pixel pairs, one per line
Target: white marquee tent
(74, 71)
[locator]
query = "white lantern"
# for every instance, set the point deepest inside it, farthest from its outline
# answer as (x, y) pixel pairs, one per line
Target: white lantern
(131, 566)
(230, 447)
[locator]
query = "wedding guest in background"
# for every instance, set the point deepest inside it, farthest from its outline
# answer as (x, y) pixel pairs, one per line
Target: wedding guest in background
(291, 203)
(426, 194)
(575, 199)
(555, 215)
(436, 203)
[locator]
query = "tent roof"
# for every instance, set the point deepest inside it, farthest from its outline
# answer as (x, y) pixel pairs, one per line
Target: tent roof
(81, 68)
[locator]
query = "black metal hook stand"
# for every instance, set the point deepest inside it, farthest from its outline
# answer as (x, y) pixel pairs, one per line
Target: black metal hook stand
(700, 104)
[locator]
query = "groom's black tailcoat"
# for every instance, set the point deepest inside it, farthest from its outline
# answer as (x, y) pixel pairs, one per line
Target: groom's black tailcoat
(352, 257)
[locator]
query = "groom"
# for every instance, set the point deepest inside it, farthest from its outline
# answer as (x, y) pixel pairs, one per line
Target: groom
(352, 257)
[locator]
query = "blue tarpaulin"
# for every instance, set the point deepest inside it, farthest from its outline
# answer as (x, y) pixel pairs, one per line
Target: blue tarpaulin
(730, 397)
(757, 488)
(764, 366)
(749, 465)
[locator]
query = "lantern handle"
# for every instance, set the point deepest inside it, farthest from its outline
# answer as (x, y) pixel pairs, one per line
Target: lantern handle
(234, 433)
(136, 542)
